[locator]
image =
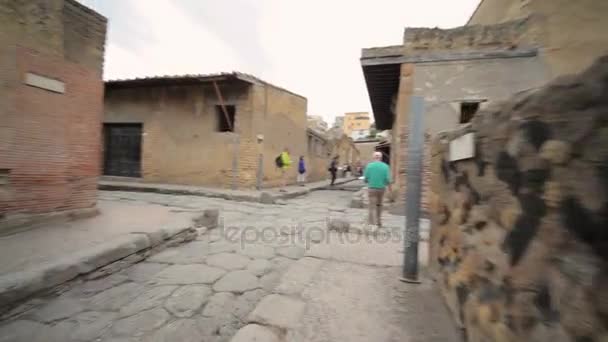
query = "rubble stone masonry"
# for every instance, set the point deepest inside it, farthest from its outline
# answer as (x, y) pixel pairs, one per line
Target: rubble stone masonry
(518, 243)
(49, 128)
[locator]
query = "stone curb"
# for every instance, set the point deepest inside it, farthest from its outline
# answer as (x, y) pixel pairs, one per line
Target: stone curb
(264, 197)
(16, 286)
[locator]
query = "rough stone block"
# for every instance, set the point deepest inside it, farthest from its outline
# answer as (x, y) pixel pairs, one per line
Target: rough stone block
(266, 198)
(556, 151)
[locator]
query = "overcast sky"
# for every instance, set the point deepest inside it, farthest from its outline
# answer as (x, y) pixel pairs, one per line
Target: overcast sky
(310, 47)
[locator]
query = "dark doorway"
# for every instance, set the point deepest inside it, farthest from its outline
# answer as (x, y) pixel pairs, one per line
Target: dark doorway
(122, 150)
(386, 152)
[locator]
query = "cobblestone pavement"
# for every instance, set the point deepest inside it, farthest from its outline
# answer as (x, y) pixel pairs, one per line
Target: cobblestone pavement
(241, 272)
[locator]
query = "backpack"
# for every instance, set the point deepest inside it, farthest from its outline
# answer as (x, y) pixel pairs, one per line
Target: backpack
(278, 161)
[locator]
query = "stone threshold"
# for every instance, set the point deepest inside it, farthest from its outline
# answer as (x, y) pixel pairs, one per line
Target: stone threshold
(268, 196)
(91, 263)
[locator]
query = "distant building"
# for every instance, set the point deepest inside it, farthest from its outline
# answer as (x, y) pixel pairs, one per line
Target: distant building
(318, 123)
(339, 122)
(355, 121)
(358, 134)
(209, 130)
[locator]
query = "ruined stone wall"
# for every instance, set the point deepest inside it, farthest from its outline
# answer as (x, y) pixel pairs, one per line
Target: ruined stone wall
(51, 107)
(570, 34)
(366, 150)
(520, 33)
(518, 239)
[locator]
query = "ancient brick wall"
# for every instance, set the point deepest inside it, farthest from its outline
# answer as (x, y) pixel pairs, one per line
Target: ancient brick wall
(84, 34)
(281, 119)
(49, 139)
(318, 158)
(518, 239)
(181, 143)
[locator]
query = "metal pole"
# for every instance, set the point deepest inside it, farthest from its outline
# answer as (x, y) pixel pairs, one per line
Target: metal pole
(260, 171)
(415, 147)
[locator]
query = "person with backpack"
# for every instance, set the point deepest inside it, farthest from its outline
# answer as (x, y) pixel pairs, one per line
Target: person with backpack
(333, 169)
(301, 171)
(283, 162)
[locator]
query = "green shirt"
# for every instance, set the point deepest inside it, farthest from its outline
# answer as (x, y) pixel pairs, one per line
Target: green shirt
(285, 159)
(377, 175)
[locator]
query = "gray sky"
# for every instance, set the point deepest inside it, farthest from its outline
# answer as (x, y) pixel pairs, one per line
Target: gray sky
(310, 47)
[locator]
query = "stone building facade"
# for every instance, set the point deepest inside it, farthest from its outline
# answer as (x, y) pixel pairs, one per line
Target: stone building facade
(355, 121)
(518, 242)
(318, 157)
(185, 130)
(462, 70)
(366, 149)
(51, 102)
(345, 149)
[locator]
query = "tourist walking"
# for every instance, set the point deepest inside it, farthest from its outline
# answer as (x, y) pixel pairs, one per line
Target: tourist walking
(377, 175)
(333, 169)
(283, 162)
(301, 171)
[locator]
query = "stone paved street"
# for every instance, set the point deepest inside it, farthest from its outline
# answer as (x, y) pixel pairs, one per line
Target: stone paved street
(273, 271)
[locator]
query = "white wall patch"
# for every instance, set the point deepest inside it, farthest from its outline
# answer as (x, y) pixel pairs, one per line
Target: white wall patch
(44, 83)
(462, 147)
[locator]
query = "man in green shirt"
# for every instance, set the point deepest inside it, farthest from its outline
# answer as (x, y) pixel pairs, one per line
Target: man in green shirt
(377, 175)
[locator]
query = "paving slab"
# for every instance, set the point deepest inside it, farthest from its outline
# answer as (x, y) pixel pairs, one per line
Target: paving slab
(360, 303)
(88, 326)
(113, 299)
(148, 299)
(237, 281)
(279, 311)
(228, 261)
(139, 324)
(180, 330)
(255, 332)
(298, 276)
(188, 274)
(186, 300)
(259, 267)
